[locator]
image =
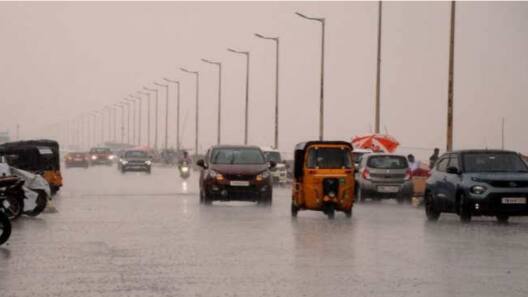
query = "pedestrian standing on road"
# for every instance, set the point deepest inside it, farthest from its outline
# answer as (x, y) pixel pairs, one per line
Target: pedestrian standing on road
(413, 164)
(434, 158)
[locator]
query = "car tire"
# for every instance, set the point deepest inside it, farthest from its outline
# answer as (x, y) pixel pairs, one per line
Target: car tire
(266, 199)
(430, 210)
(348, 213)
(464, 210)
(205, 199)
(5, 228)
(503, 219)
(294, 209)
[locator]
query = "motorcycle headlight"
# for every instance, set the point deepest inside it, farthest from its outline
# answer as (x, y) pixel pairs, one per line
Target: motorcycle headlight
(478, 189)
(185, 169)
(124, 162)
(148, 162)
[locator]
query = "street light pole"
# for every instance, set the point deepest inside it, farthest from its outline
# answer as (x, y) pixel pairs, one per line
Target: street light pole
(219, 118)
(140, 99)
(155, 115)
(378, 71)
(276, 40)
(246, 119)
(177, 111)
(148, 115)
(166, 142)
(321, 101)
(122, 106)
(133, 120)
(197, 114)
(127, 102)
(449, 146)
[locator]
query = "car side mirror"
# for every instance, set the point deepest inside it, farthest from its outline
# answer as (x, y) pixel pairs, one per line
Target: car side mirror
(201, 163)
(272, 164)
(452, 170)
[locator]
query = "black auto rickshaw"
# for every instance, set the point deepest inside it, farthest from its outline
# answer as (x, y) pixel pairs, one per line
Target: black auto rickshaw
(36, 156)
(323, 177)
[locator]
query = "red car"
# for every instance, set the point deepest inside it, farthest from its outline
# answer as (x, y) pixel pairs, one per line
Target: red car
(76, 159)
(101, 156)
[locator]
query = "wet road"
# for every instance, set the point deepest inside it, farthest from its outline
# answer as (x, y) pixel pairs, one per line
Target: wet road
(140, 235)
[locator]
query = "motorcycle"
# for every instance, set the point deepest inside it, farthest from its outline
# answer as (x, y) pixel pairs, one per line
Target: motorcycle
(185, 170)
(36, 191)
(12, 196)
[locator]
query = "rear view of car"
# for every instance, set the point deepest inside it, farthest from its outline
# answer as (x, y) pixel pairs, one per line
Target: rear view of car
(101, 156)
(279, 173)
(385, 176)
(76, 159)
(135, 160)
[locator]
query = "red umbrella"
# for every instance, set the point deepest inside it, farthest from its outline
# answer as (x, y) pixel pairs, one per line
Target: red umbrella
(376, 142)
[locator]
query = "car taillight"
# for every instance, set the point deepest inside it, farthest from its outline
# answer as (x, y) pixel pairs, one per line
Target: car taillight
(408, 174)
(365, 174)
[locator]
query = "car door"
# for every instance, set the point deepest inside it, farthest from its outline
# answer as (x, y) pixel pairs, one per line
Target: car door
(440, 183)
(451, 182)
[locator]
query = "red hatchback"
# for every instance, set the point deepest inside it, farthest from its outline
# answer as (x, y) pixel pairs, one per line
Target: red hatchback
(76, 159)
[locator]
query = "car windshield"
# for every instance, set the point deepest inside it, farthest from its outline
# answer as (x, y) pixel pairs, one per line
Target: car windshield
(101, 151)
(327, 158)
(387, 162)
(493, 162)
(273, 156)
(237, 156)
(135, 154)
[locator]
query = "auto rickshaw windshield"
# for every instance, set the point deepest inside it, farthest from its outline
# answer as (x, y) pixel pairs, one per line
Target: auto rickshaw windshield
(329, 158)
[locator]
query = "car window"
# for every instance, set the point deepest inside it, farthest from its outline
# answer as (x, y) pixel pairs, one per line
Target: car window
(239, 156)
(273, 156)
(453, 162)
(135, 154)
(493, 162)
(387, 162)
(441, 165)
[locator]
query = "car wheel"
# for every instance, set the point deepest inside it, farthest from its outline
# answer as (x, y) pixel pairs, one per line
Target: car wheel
(430, 210)
(463, 209)
(206, 199)
(503, 219)
(348, 213)
(294, 210)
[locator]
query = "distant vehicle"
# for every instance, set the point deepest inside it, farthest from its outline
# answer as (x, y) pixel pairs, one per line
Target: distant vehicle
(185, 169)
(357, 155)
(235, 173)
(36, 156)
(384, 176)
(478, 182)
(323, 178)
(101, 156)
(135, 160)
(76, 159)
(279, 174)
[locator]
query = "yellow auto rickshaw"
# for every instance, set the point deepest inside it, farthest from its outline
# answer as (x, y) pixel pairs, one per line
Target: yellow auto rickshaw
(36, 156)
(323, 178)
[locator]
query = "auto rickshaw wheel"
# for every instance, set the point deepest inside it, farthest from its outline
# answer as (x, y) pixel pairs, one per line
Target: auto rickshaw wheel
(329, 210)
(464, 211)
(294, 210)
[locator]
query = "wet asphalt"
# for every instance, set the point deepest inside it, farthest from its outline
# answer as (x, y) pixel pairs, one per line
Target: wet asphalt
(109, 234)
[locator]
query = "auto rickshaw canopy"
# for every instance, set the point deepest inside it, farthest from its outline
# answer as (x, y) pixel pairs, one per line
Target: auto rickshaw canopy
(300, 153)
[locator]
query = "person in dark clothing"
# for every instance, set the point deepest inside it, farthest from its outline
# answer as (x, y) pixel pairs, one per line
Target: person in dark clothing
(434, 158)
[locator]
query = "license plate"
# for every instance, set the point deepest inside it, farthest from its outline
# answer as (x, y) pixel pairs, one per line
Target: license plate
(239, 183)
(513, 200)
(388, 189)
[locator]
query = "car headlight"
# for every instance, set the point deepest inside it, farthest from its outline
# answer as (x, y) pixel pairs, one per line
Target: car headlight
(215, 175)
(94, 157)
(111, 157)
(478, 189)
(263, 175)
(148, 162)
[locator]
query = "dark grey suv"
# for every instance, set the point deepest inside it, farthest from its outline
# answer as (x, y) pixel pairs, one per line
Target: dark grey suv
(478, 182)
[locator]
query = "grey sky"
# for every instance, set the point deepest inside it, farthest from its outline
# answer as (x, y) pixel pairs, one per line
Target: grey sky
(60, 59)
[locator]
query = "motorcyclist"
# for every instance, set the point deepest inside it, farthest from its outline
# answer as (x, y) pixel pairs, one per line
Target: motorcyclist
(184, 159)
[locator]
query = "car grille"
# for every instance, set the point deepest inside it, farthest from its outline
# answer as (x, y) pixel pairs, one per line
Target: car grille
(387, 176)
(508, 184)
(237, 193)
(239, 177)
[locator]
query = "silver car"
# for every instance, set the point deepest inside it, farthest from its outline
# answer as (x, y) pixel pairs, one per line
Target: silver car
(384, 176)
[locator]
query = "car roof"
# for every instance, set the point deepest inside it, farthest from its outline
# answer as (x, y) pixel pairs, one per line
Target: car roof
(229, 146)
(383, 154)
(493, 151)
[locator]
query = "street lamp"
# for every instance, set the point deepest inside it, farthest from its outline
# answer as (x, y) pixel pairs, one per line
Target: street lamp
(177, 111)
(219, 120)
(276, 40)
(166, 144)
(247, 92)
(321, 103)
(197, 114)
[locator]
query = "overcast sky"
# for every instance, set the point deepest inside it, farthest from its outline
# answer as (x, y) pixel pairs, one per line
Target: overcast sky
(58, 60)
